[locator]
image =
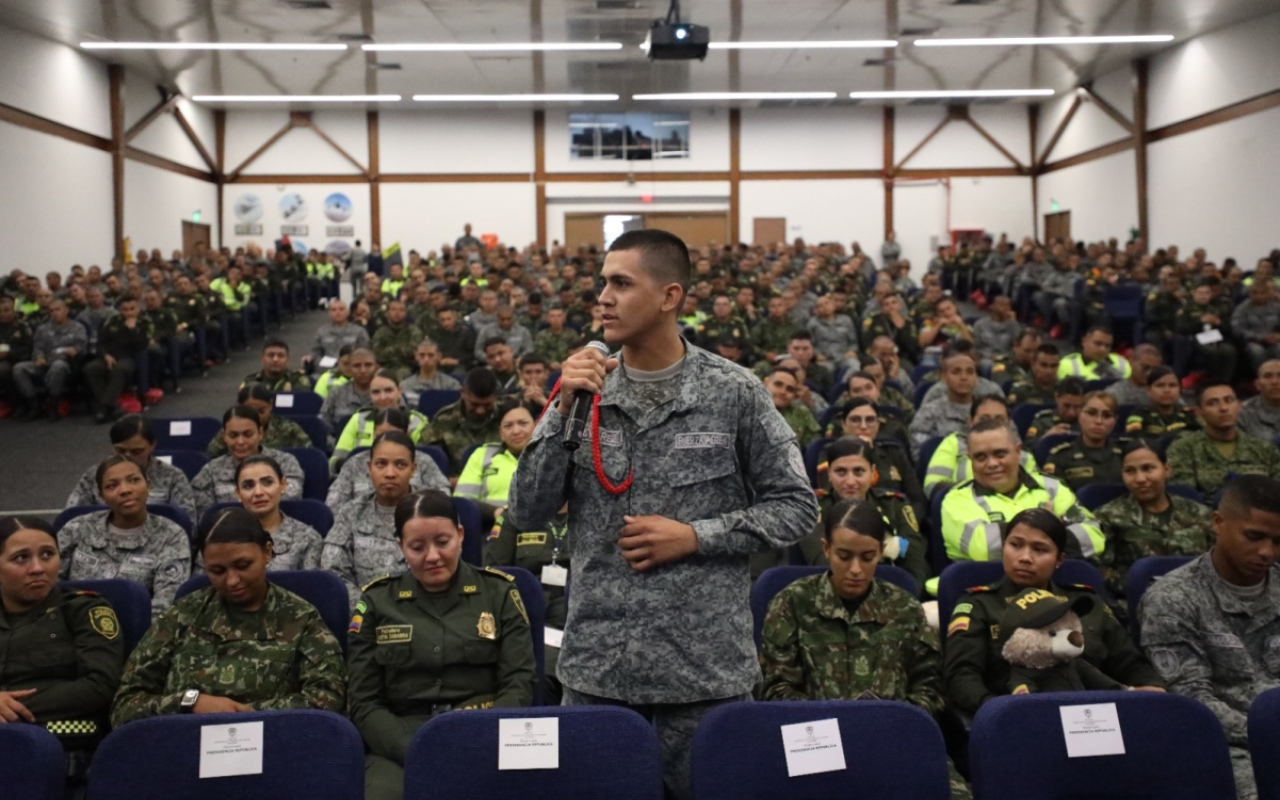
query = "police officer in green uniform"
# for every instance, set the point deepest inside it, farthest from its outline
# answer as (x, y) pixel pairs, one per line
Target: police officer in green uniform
(63, 650)
(889, 454)
(1091, 457)
(1064, 417)
(1037, 389)
(1164, 416)
(545, 553)
(1034, 546)
(444, 635)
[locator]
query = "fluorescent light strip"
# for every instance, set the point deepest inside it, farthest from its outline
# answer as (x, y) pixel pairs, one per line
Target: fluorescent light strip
(950, 94)
(831, 45)
(514, 98)
(296, 98)
(1034, 40)
(490, 47)
(207, 46)
(679, 96)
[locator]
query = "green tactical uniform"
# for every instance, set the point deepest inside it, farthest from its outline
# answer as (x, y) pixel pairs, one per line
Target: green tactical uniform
(455, 430)
(553, 345)
(1150, 422)
(281, 656)
(423, 316)
(1027, 392)
(291, 381)
(68, 648)
(974, 670)
(1078, 465)
(281, 432)
(1006, 369)
(818, 646)
(191, 309)
(907, 337)
(394, 347)
(1185, 528)
(1042, 423)
(1198, 462)
(711, 331)
(415, 654)
(164, 324)
(1161, 314)
(772, 337)
(802, 423)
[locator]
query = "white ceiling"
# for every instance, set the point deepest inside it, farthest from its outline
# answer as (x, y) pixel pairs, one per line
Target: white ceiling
(624, 72)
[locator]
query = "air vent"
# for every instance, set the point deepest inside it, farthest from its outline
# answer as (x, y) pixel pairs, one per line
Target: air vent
(381, 65)
(877, 62)
(354, 37)
(309, 5)
(617, 5)
(917, 32)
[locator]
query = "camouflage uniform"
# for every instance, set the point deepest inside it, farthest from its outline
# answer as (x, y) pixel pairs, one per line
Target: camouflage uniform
(710, 450)
(772, 337)
(907, 337)
(834, 338)
(815, 648)
(414, 655)
(994, 339)
(342, 401)
(68, 648)
(291, 381)
(974, 670)
(281, 656)
(166, 484)
(1029, 393)
(938, 391)
(802, 423)
(362, 546)
(216, 482)
(295, 545)
(552, 345)
(280, 432)
(1042, 422)
(394, 346)
(1260, 420)
(1079, 466)
(1197, 463)
(937, 419)
(1151, 423)
(156, 555)
(1217, 647)
(412, 387)
(330, 339)
(1185, 528)
(354, 480)
(455, 430)
(15, 347)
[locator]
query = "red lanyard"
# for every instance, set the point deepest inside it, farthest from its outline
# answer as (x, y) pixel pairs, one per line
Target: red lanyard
(596, 459)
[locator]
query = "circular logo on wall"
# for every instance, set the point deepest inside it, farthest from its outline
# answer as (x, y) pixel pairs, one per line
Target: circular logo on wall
(248, 208)
(338, 247)
(337, 207)
(293, 208)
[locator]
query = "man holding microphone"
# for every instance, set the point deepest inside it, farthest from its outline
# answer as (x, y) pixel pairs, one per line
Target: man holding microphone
(684, 469)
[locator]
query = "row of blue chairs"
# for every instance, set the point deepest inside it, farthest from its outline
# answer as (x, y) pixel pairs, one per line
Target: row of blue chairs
(1174, 749)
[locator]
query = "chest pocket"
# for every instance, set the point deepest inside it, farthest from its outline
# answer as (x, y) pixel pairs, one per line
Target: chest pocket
(282, 561)
(393, 654)
(375, 556)
(138, 567)
(1229, 657)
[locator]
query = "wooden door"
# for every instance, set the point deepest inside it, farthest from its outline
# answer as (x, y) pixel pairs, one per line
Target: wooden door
(194, 233)
(1057, 226)
(768, 230)
(583, 228)
(696, 228)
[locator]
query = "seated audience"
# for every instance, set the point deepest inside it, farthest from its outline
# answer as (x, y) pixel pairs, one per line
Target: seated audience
(429, 376)
(260, 483)
(354, 479)
(275, 373)
(1205, 459)
(1133, 390)
(488, 473)
(123, 336)
(242, 430)
(277, 431)
(784, 388)
(57, 349)
(950, 462)
(1260, 415)
(1163, 415)
(1091, 457)
(346, 399)
(241, 644)
(1064, 417)
(1200, 317)
(384, 391)
(470, 421)
(859, 418)
(951, 414)
(1095, 361)
(132, 436)
(335, 334)
(1037, 388)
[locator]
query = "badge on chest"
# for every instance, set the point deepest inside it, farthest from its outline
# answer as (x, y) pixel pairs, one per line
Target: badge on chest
(487, 628)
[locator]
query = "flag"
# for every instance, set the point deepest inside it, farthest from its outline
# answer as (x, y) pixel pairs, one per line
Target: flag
(391, 256)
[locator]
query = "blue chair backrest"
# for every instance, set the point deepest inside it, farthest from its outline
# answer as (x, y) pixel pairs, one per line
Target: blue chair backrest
(1264, 743)
(305, 753)
(892, 751)
(812, 455)
(535, 603)
(171, 513)
(1042, 448)
(605, 752)
(920, 370)
(316, 429)
(432, 400)
(1124, 301)
(131, 601)
(1174, 750)
(189, 461)
(936, 546)
(1096, 495)
(320, 588)
(315, 471)
(298, 403)
(312, 512)
(917, 399)
(473, 534)
(828, 414)
(775, 579)
(1189, 492)
(1022, 415)
(32, 764)
(927, 450)
(185, 433)
(439, 456)
(1141, 575)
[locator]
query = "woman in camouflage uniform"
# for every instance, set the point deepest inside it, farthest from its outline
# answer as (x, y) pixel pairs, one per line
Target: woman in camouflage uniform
(242, 429)
(277, 431)
(260, 483)
(243, 644)
(1148, 521)
(844, 635)
(354, 480)
(133, 436)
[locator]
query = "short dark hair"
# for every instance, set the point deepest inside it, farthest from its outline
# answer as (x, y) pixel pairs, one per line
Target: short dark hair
(274, 341)
(529, 359)
(1248, 493)
(396, 417)
(11, 525)
(481, 382)
(1207, 385)
(1159, 372)
(491, 341)
(1047, 349)
(256, 391)
(231, 526)
(114, 461)
(260, 459)
(132, 425)
(1070, 385)
(663, 255)
(800, 336)
(395, 437)
(1044, 521)
(1099, 327)
(979, 402)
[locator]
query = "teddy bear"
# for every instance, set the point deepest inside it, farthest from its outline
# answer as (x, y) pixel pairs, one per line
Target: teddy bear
(1044, 640)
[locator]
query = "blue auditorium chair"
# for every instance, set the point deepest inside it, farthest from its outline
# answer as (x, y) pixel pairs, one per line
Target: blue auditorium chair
(1138, 580)
(186, 433)
(189, 461)
(32, 764)
(1264, 743)
(298, 403)
(315, 471)
(535, 605)
(172, 513)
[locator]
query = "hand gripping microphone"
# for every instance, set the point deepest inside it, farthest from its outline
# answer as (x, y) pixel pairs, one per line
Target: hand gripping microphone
(580, 411)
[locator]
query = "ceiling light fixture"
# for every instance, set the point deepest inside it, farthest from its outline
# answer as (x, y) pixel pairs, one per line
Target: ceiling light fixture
(950, 94)
(491, 47)
(208, 46)
(681, 96)
(1015, 41)
(296, 98)
(831, 45)
(514, 98)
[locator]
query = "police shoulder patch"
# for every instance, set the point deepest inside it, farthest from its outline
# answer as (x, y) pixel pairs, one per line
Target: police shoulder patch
(1058, 448)
(499, 573)
(980, 589)
(375, 582)
(519, 602)
(103, 620)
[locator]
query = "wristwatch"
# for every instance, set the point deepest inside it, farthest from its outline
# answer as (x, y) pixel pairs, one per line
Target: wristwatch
(189, 699)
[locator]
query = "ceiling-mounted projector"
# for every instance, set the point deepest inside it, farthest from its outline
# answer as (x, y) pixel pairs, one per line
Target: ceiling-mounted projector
(671, 39)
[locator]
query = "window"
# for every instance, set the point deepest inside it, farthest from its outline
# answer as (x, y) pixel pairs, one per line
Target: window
(637, 136)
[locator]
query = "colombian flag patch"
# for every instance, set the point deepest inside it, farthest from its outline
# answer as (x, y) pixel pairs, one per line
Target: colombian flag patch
(356, 622)
(958, 624)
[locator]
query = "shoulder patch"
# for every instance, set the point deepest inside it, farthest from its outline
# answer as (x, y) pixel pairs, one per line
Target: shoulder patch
(375, 582)
(519, 603)
(81, 593)
(1058, 448)
(980, 589)
(499, 573)
(1084, 586)
(103, 620)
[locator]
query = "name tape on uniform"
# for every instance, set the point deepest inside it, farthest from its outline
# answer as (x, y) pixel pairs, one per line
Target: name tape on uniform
(529, 743)
(231, 750)
(1092, 730)
(813, 747)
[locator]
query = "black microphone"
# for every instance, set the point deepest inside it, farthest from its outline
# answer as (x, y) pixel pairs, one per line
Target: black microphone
(580, 411)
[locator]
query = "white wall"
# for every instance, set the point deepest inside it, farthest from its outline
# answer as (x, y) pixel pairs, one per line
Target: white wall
(1101, 195)
(164, 136)
(422, 216)
(1225, 204)
(57, 202)
(300, 151)
(156, 202)
(314, 195)
(54, 81)
(818, 211)
(622, 198)
(818, 138)
(454, 141)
